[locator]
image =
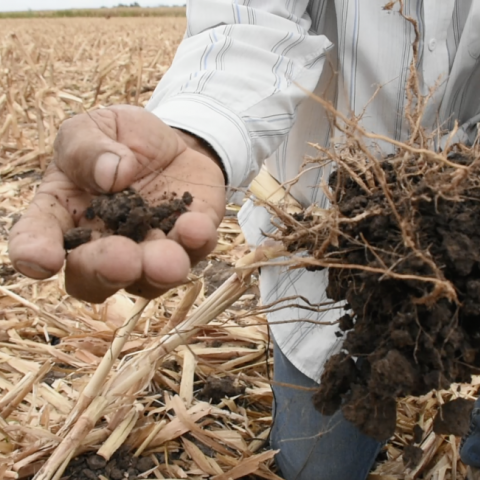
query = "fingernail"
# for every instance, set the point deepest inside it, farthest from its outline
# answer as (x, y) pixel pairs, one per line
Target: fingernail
(106, 170)
(161, 286)
(32, 270)
(111, 284)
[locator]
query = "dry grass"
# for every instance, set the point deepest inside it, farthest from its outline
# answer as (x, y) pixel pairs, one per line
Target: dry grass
(52, 69)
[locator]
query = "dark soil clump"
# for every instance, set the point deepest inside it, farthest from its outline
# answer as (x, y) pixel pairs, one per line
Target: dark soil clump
(75, 237)
(215, 274)
(454, 417)
(6, 273)
(126, 213)
(123, 464)
(215, 389)
(409, 236)
(412, 456)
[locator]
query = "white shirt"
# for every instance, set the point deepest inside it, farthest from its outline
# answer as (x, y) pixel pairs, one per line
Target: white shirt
(234, 82)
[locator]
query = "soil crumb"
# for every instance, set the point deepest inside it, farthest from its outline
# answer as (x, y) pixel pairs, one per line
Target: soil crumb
(412, 456)
(418, 433)
(215, 389)
(126, 213)
(6, 273)
(453, 418)
(75, 237)
(215, 275)
(122, 465)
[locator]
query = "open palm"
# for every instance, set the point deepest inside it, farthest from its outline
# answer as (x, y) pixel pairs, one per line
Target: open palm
(107, 151)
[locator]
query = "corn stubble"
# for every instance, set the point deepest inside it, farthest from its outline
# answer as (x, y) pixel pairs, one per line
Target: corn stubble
(76, 378)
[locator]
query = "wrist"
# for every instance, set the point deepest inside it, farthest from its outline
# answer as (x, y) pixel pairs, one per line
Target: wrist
(202, 146)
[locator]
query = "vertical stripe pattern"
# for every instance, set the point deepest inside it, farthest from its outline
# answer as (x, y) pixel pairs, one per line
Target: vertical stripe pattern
(234, 82)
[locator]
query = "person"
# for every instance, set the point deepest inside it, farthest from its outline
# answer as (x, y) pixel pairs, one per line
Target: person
(236, 97)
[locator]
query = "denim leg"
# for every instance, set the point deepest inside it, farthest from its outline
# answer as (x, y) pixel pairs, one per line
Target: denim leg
(313, 446)
(470, 446)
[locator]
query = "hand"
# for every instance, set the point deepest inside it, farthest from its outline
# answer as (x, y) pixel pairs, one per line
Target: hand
(107, 151)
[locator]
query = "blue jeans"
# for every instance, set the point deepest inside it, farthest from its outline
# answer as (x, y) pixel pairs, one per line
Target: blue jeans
(313, 446)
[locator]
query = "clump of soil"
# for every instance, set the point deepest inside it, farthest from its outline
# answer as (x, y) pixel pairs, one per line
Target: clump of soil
(6, 273)
(404, 252)
(412, 456)
(75, 237)
(216, 389)
(214, 273)
(454, 417)
(127, 213)
(123, 464)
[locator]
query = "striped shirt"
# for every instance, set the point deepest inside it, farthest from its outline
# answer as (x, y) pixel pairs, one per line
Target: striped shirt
(235, 82)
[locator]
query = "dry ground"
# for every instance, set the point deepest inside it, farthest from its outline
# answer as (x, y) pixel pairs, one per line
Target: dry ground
(50, 344)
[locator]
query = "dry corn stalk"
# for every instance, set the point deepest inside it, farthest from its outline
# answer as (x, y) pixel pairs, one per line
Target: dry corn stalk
(138, 371)
(120, 434)
(267, 189)
(223, 298)
(184, 307)
(10, 401)
(56, 464)
(134, 375)
(97, 380)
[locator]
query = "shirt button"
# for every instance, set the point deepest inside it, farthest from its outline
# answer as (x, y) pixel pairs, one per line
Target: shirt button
(432, 44)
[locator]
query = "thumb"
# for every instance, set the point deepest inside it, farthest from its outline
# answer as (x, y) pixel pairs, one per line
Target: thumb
(86, 152)
(107, 150)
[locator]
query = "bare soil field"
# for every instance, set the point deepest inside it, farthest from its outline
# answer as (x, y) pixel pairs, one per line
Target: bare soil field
(200, 411)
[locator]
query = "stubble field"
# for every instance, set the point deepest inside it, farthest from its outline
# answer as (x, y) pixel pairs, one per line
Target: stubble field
(50, 344)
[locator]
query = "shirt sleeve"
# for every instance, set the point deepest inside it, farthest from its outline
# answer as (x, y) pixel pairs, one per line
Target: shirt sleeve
(236, 77)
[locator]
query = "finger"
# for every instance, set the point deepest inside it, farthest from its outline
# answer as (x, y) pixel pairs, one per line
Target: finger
(36, 240)
(155, 234)
(165, 265)
(196, 233)
(107, 150)
(98, 269)
(85, 152)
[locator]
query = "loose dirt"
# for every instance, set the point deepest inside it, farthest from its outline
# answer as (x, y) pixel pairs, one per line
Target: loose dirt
(127, 213)
(75, 237)
(217, 388)
(122, 465)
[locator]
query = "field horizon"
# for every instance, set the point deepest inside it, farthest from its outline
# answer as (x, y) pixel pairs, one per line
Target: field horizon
(99, 12)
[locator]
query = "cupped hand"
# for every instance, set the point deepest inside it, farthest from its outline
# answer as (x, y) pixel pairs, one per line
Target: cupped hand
(109, 150)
